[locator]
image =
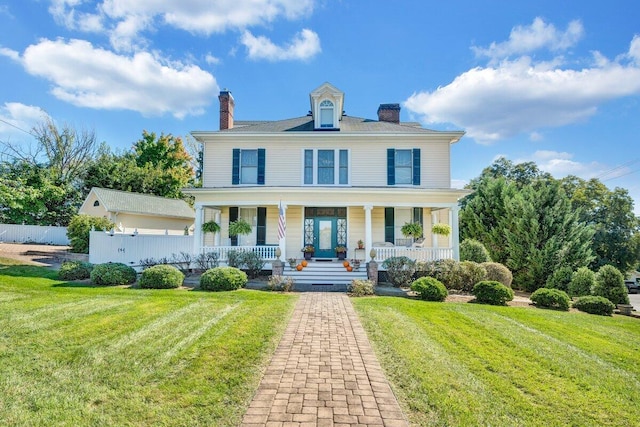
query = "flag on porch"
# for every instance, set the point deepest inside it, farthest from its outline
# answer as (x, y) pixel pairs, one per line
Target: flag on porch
(282, 226)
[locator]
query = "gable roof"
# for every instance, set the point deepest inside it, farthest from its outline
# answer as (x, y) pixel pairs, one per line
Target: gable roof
(141, 204)
(347, 124)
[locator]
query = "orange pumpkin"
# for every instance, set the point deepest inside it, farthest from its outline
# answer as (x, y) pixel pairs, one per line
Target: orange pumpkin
(304, 263)
(299, 267)
(345, 263)
(349, 268)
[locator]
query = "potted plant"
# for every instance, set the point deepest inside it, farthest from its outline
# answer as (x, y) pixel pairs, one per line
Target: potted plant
(308, 251)
(411, 229)
(356, 264)
(292, 262)
(360, 244)
(341, 252)
(441, 229)
(210, 227)
(239, 227)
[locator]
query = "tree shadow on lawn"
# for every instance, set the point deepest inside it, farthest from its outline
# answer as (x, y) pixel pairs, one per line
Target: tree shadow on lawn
(28, 271)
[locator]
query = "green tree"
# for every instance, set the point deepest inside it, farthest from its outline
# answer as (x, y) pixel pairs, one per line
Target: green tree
(80, 228)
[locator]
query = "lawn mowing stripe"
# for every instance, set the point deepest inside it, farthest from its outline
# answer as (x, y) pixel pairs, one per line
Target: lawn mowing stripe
(11, 296)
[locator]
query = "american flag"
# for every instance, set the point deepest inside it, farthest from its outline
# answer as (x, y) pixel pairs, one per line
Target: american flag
(282, 226)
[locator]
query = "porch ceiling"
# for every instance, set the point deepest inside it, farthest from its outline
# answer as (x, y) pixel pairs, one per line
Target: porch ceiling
(328, 196)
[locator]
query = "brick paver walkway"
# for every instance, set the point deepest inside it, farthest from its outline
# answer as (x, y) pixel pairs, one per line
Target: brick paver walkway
(324, 372)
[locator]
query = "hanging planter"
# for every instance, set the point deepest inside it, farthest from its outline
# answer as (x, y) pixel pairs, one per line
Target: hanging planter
(441, 229)
(411, 229)
(239, 227)
(211, 227)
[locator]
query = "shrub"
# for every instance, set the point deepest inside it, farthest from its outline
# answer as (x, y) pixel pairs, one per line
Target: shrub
(446, 271)
(470, 274)
(182, 261)
(498, 272)
(207, 260)
(582, 281)
(492, 292)
(253, 263)
(281, 283)
(594, 305)
(112, 274)
(223, 279)
(161, 277)
(79, 228)
(551, 298)
(560, 279)
(75, 270)
(610, 284)
(474, 250)
(400, 270)
(234, 258)
(429, 289)
(360, 288)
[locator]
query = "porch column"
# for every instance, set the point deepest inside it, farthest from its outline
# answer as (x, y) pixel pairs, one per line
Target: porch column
(434, 237)
(451, 224)
(368, 234)
(217, 217)
(282, 241)
(197, 230)
(455, 232)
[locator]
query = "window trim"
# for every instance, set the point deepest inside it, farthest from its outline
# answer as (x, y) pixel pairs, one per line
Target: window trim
(236, 168)
(331, 109)
(336, 167)
(416, 174)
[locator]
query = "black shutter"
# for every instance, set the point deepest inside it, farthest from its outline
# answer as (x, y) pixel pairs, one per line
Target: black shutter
(389, 225)
(416, 166)
(261, 229)
(261, 162)
(235, 173)
(391, 166)
(233, 216)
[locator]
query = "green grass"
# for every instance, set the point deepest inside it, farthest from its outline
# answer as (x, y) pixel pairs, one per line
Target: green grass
(74, 355)
(473, 365)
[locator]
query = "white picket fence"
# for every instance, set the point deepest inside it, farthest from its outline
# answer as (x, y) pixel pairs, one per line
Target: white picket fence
(129, 250)
(45, 235)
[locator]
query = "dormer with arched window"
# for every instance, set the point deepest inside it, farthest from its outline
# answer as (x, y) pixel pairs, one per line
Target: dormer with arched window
(327, 102)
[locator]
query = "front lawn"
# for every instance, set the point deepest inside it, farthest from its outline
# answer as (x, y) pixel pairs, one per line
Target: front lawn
(457, 364)
(73, 355)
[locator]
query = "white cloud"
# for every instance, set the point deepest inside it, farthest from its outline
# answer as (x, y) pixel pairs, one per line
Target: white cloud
(521, 95)
(87, 76)
(9, 53)
(17, 120)
(561, 163)
(126, 20)
(213, 60)
(538, 35)
(304, 45)
(459, 183)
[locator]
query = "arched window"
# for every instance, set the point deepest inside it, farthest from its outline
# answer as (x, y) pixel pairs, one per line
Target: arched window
(326, 114)
(96, 203)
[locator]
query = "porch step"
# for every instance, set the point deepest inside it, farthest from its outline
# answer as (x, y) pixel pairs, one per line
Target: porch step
(321, 275)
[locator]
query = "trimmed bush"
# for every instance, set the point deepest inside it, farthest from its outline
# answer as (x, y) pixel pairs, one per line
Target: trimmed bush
(223, 279)
(361, 288)
(594, 305)
(446, 271)
(400, 270)
(470, 273)
(161, 277)
(610, 284)
(75, 270)
(551, 298)
(560, 279)
(429, 289)
(492, 292)
(498, 272)
(474, 250)
(582, 281)
(281, 283)
(79, 229)
(112, 274)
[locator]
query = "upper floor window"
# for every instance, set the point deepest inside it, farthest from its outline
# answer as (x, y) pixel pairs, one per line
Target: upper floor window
(403, 166)
(326, 114)
(326, 167)
(248, 166)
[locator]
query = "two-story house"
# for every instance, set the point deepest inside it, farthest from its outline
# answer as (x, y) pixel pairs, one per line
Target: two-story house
(333, 179)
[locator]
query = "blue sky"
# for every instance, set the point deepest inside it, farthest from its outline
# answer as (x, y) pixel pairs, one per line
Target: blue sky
(555, 82)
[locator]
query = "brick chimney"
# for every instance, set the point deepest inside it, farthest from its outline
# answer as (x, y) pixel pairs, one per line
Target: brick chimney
(389, 113)
(226, 109)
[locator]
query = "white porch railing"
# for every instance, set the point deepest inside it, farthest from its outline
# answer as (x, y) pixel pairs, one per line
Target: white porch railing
(418, 254)
(267, 253)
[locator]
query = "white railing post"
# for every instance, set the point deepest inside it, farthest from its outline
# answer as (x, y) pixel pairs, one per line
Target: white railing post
(197, 230)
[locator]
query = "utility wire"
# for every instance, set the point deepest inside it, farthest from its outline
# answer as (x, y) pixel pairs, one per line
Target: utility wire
(612, 170)
(19, 128)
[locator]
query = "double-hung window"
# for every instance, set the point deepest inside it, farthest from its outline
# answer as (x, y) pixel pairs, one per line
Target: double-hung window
(326, 114)
(248, 166)
(326, 167)
(403, 166)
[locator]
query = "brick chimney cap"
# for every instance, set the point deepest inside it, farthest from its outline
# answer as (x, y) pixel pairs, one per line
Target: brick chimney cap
(389, 107)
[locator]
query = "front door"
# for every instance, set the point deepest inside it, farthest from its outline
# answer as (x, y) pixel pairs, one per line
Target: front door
(325, 237)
